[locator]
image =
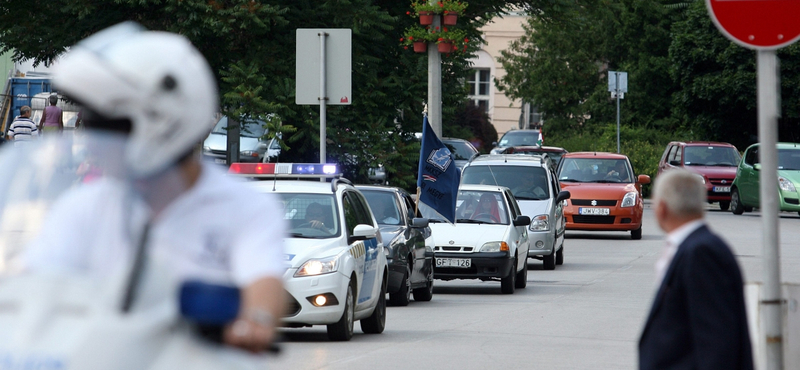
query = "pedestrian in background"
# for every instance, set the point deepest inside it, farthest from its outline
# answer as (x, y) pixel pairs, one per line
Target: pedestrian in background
(698, 318)
(52, 118)
(23, 129)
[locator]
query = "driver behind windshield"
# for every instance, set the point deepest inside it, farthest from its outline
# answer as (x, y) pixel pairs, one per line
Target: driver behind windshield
(315, 217)
(618, 172)
(532, 187)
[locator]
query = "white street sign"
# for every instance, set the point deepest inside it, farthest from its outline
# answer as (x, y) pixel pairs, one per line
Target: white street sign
(623, 81)
(338, 66)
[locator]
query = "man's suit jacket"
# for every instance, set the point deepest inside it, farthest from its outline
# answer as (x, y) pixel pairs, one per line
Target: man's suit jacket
(698, 318)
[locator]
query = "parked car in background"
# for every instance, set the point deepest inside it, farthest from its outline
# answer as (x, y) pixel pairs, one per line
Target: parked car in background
(408, 243)
(516, 138)
(715, 162)
(553, 152)
(489, 241)
(745, 190)
(254, 146)
(463, 151)
(606, 195)
(535, 187)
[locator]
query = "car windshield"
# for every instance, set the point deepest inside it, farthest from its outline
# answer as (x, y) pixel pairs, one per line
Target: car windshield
(721, 156)
(519, 138)
(525, 182)
(789, 159)
(311, 216)
(384, 206)
(460, 149)
(595, 170)
(249, 128)
(474, 207)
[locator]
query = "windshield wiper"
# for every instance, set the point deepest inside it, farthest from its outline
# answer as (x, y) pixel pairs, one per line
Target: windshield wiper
(528, 198)
(435, 220)
(607, 181)
(570, 180)
(300, 235)
(470, 221)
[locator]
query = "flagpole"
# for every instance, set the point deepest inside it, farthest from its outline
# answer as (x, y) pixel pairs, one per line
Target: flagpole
(416, 202)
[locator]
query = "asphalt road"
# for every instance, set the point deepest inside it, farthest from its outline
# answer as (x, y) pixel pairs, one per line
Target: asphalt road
(587, 314)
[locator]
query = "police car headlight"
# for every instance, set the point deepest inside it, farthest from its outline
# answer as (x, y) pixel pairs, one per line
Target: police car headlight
(785, 184)
(540, 223)
(317, 267)
(495, 247)
(630, 199)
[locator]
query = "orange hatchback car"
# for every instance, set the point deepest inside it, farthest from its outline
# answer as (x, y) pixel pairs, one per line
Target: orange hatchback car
(606, 194)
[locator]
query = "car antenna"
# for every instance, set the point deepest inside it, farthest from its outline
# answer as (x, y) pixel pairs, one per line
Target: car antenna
(492, 173)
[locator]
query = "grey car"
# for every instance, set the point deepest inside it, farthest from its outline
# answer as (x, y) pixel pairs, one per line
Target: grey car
(463, 151)
(408, 243)
(253, 144)
(536, 188)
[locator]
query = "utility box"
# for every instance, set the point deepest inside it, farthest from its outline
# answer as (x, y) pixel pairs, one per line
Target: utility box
(21, 91)
(791, 324)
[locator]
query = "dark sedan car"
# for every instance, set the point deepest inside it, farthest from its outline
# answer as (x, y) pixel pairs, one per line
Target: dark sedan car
(553, 152)
(408, 241)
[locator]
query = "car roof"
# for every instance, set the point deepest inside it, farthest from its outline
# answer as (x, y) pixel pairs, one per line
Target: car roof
(387, 189)
(515, 132)
(780, 145)
(504, 159)
(601, 155)
(296, 186)
(492, 188)
(537, 148)
(702, 143)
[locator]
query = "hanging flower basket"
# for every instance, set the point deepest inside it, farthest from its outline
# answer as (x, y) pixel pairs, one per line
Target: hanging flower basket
(420, 47)
(425, 18)
(445, 46)
(450, 19)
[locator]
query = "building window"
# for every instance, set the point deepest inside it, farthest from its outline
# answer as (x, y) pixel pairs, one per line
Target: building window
(479, 84)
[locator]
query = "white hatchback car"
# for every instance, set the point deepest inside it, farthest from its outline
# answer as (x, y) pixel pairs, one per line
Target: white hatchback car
(336, 265)
(488, 242)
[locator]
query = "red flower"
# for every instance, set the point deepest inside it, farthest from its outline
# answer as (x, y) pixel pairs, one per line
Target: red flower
(405, 47)
(440, 39)
(445, 29)
(466, 40)
(408, 13)
(437, 27)
(441, 5)
(409, 38)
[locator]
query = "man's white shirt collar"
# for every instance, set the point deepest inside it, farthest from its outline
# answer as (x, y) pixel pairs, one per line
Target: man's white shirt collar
(673, 240)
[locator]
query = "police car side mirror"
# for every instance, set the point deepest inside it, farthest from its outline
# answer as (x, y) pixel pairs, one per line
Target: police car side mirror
(364, 232)
(522, 221)
(419, 222)
(563, 195)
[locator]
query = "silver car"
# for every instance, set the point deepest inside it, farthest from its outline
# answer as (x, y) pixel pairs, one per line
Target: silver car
(536, 188)
(254, 146)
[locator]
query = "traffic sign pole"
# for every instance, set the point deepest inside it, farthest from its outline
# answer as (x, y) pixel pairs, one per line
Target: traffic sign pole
(323, 99)
(435, 84)
(768, 112)
(616, 76)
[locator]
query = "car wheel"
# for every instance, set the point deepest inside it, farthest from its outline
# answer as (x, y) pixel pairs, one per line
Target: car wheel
(507, 283)
(549, 261)
(403, 296)
(343, 329)
(723, 206)
(736, 204)
(522, 277)
(375, 323)
(560, 256)
(636, 234)
(425, 294)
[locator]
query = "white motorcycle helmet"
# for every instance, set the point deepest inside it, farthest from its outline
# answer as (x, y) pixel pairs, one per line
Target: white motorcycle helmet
(156, 80)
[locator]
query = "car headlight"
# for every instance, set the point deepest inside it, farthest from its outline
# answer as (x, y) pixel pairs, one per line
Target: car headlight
(540, 223)
(206, 148)
(248, 153)
(785, 184)
(315, 267)
(495, 247)
(630, 199)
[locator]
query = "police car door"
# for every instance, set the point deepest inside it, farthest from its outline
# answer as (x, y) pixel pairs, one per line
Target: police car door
(364, 251)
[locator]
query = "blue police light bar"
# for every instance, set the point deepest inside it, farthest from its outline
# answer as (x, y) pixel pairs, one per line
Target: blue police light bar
(285, 169)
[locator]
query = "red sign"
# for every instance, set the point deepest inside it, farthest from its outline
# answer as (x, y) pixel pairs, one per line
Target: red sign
(757, 24)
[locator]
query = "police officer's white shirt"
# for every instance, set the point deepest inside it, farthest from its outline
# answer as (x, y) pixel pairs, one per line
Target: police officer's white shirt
(220, 231)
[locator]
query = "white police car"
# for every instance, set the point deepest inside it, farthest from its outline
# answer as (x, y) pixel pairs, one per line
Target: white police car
(336, 267)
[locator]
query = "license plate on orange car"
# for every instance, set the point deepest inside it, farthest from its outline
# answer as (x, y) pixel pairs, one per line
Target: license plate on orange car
(594, 211)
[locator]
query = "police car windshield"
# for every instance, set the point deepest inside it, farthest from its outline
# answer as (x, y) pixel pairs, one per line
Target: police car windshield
(525, 182)
(311, 216)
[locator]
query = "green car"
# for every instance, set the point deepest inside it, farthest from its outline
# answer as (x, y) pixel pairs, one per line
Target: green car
(744, 191)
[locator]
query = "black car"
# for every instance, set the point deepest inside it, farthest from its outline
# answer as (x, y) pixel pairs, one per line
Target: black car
(408, 241)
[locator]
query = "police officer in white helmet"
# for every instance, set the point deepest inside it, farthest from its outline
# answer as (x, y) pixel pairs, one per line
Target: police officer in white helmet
(159, 91)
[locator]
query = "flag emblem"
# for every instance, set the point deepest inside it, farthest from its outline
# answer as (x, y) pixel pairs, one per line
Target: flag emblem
(440, 158)
(428, 178)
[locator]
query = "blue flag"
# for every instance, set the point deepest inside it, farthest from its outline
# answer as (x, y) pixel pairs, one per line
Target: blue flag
(438, 177)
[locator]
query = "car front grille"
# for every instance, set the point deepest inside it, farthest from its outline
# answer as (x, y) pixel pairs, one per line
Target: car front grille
(605, 220)
(719, 181)
(292, 306)
(457, 249)
(791, 201)
(588, 202)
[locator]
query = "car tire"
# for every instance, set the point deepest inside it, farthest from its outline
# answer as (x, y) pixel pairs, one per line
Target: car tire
(522, 277)
(736, 203)
(425, 294)
(560, 256)
(343, 329)
(403, 296)
(375, 323)
(723, 206)
(507, 283)
(549, 261)
(636, 234)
